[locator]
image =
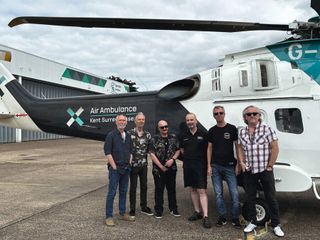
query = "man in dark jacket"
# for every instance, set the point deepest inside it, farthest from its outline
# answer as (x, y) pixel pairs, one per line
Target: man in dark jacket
(118, 149)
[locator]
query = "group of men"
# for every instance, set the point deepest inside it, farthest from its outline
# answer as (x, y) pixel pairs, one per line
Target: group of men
(203, 154)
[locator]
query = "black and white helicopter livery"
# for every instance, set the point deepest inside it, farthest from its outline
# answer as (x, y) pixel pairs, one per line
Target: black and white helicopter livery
(283, 79)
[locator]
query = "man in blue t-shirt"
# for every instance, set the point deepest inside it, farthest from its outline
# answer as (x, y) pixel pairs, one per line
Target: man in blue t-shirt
(221, 165)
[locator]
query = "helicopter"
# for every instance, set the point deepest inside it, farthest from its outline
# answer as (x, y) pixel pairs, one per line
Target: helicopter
(282, 79)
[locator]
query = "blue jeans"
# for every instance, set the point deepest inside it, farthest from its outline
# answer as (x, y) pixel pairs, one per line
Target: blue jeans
(226, 173)
(116, 178)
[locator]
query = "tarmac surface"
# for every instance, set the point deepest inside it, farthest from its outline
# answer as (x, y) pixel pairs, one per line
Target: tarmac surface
(56, 190)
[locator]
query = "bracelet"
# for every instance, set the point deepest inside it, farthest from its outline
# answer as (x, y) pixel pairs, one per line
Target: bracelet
(270, 166)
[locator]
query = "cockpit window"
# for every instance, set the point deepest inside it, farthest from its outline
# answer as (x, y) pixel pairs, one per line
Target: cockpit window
(289, 120)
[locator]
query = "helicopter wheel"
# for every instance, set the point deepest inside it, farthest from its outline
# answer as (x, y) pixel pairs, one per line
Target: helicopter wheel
(261, 209)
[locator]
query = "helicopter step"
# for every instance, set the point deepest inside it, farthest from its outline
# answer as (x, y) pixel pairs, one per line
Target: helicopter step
(257, 233)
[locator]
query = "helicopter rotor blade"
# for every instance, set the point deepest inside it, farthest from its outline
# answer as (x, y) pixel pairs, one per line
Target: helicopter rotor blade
(152, 24)
(315, 4)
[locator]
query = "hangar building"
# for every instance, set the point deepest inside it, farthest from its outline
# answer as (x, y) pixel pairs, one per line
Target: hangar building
(44, 78)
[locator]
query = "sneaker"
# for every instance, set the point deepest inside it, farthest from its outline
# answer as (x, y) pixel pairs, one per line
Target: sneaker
(195, 216)
(147, 211)
(249, 228)
(175, 213)
(127, 217)
(278, 231)
(206, 222)
(221, 221)
(132, 213)
(236, 223)
(110, 222)
(158, 215)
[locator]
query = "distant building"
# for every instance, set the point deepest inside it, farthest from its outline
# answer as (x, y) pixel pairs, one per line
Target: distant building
(44, 78)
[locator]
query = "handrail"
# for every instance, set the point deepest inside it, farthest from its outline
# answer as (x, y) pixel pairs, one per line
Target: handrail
(315, 190)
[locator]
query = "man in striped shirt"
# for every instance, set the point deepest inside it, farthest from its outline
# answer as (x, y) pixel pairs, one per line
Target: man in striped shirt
(258, 151)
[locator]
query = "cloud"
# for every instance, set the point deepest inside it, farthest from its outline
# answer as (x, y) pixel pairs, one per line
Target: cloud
(150, 58)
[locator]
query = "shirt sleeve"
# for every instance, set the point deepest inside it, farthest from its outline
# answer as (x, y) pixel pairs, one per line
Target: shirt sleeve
(131, 145)
(208, 136)
(148, 142)
(235, 134)
(108, 144)
(239, 136)
(152, 148)
(177, 143)
(180, 138)
(272, 136)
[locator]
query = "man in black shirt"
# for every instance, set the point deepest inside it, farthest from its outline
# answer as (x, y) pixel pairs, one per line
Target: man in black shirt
(221, 165)
(193, 147)
(164, 150)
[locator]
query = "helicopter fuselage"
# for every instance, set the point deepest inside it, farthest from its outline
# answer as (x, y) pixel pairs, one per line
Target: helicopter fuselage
(281, 79)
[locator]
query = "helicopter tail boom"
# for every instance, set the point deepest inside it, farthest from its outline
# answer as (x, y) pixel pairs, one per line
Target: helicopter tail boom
(12, 114)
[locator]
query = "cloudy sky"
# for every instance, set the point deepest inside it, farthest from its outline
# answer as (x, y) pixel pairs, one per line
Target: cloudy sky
(149, 58)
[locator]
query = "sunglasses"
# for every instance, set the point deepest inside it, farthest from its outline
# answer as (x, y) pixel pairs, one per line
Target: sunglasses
(217, 113)
(251, 114)
(163, 127)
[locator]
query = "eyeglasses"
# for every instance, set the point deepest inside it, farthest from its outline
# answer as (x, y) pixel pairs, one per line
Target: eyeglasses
(163, 127)
(217, 113)
(251, 114)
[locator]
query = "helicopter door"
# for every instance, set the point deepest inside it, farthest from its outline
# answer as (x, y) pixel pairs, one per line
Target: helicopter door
(265, 77)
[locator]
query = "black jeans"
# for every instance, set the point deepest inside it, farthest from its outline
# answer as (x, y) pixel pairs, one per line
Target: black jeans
(251, 185)
(142, 174)
(165, 180)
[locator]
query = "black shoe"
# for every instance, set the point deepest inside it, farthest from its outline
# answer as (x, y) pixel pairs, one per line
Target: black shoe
(147, 211)
(236, 223)
(206, 222)
(158, 215)
(221, 221)
(195, 216)
(132, 213)
(175, 213)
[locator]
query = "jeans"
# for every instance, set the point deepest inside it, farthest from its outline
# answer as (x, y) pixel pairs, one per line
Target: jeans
(227, 173)
(142, 174)
(116, 178)
(251, 185)
(165, 180)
